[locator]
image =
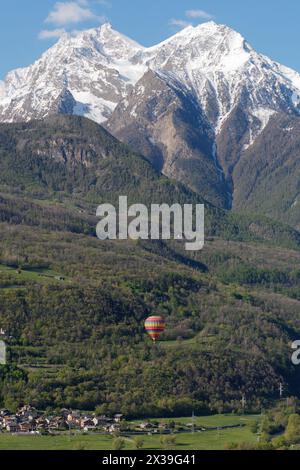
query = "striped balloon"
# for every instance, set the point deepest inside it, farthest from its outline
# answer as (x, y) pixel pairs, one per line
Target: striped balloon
(154, 327)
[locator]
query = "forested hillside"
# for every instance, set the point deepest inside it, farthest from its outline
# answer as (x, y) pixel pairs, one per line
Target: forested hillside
(73, 307)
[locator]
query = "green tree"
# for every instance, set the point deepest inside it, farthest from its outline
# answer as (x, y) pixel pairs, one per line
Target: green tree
(279, 443)
(292, 432)
(168, 442)
(254, 427)
(138, 443)
(118, 444)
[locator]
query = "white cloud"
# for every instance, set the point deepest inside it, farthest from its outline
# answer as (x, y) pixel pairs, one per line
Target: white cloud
(198, 14)
(51, 34)
(180, 24)
(65, 13)
(192, 15)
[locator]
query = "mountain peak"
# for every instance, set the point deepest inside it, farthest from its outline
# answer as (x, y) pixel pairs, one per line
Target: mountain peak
(206, 39)
(211, 26)
(99, 38)
(207, 28)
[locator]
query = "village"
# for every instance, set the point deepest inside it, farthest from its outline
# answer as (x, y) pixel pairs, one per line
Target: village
(28, 420)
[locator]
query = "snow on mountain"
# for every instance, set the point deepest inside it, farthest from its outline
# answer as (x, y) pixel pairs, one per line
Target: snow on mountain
(99, 67)
(94, 66)
(2, 89)
(222, 69)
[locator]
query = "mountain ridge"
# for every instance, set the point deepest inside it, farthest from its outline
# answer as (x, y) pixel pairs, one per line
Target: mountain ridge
(221, 49)
(75, 161)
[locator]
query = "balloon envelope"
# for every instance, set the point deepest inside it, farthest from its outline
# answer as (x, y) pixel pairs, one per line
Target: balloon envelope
(155, 326)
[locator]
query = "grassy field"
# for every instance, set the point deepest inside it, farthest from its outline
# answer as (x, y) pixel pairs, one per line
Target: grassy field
(35, 274)
(209, 440)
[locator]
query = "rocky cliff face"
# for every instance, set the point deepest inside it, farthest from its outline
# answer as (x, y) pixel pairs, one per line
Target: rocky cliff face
(267, 175)
(171, 130)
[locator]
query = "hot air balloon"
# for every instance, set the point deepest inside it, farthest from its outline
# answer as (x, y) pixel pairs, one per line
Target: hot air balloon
(155, 326)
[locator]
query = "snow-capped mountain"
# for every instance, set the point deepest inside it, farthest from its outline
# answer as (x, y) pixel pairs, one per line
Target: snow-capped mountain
(236, 89)
(222, 69)
(93, 68)
(193, 105)
(98, 67)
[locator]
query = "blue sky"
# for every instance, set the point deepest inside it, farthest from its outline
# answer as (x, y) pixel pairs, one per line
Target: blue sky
(28, 27)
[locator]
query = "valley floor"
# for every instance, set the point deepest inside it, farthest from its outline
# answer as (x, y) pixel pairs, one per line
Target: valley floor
(208, 440)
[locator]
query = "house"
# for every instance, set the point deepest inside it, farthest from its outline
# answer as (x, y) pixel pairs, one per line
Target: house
(96, 421)
(118, 418)
(87, 422)
(57, 423)
(113, 428)
(89, 428)
(41, 420)
(41, 423)
(101, 420)
(146, 426)
(9, 419)
(26, 427)
(31, 416)
(163, 426)
(74, 418)
(28, 412)
(12, 426)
